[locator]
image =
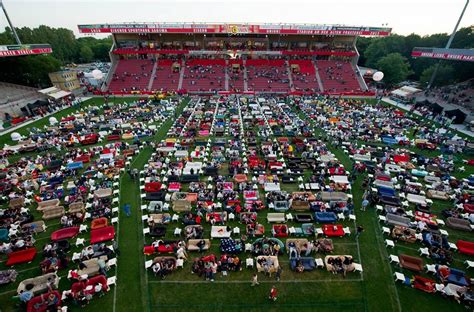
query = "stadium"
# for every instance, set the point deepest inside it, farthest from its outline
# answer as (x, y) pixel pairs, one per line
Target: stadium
(182, 166)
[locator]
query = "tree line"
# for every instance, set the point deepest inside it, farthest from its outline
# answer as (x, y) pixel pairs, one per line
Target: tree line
(392, 55)
(33, 70)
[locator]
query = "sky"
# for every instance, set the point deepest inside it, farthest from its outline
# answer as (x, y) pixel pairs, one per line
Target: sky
(404, 16)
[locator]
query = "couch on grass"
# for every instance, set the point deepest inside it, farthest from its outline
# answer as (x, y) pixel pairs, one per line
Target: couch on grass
(411, 263)
(192, 244)
(437, 195)
(92, 266)
(459, 224)
(309, 264)
(47, 203)
(53, 212)
(273, 217)
(272, 268)
(40, 283)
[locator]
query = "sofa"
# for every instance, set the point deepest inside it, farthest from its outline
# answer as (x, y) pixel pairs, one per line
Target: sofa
(39, 283)
(300, 205)
(103, 234)
(192, 244)
(465, 247)
(411, 263)
(333, 196)
(160, 218)
(53, 212)
(99, 223)
(16, 203)
(220, 232)
(40, 304)
(330, 268)
(298, 242)
(92, 266)
(273, 268)
(325, 217)
(303, 217)
(404, 234)
(36, 226)
(437, 195)
(83, 286)
(333, 230)
(458, 224)
(273, 217)
(76, 207)
(21, 256)
(47, 203)
(393, 219)
(181, 205)
(308, 263)
(65, 233)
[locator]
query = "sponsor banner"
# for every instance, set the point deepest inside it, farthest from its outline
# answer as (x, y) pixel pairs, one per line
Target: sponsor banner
(18, 50)
(444, 56)
(236, 29)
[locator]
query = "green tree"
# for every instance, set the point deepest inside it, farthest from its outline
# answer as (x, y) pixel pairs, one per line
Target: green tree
(395, 68)
(86, 54)
(444, 76)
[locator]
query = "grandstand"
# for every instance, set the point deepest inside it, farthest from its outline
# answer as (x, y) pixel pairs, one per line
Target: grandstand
(13, 98)
(228, 58)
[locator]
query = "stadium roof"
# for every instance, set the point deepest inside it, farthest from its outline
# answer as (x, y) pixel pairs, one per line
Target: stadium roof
(236, 29)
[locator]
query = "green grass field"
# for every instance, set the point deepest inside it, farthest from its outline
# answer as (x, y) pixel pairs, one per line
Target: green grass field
(139, 290)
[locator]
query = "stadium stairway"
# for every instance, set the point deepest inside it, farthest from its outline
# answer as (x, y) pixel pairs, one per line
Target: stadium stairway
(152, 78)
(318, 77)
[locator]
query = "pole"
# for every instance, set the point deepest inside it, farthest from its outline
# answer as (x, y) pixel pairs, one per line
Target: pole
(10, 23)
(448, 44)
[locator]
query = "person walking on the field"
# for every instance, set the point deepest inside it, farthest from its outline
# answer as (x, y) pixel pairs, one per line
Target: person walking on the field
(273, 293)
(255, 279)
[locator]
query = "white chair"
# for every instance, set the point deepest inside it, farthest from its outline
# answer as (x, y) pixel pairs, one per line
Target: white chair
(111, 280)
(289, 217)
(424, 252)
(175, 218)
(347, 230)
(389, 243)
(231, 216)
(249, 262)
(386, 230)
(319, 231)
(444, 232)
(358, 267)
(236, 230)
(82, 228)
(80, 242)
(146, 231)
(177, 231)
(382, 218)
(114, 220)
(399, 277)
(319, 263)
(430, 268)
(470, 264)
(112, 262)
(452, 246)
(341, 216)
(394, 258)
(180, 263)
(148, 264)
(248, 247)
(352, 217)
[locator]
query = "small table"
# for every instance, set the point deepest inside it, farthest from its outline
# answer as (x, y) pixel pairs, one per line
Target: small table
(394, 258)
(177, 231)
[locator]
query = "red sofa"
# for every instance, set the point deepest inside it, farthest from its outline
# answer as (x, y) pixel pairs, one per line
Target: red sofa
(151, 187)
(99, 223)
(333, 230)
(65, 233)
(465, 247)
(280, 230)
(113, 137)
(93, 281)
(468, 208)
(424, 284)
(85, 158)
(168, 247)
(22, 256)
(103, 234)
(90, 139)
(38, 302)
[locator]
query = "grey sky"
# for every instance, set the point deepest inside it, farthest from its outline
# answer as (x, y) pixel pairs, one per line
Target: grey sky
(404, 16)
